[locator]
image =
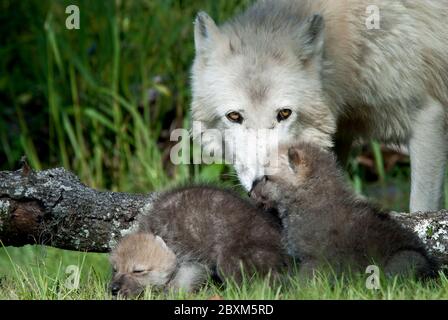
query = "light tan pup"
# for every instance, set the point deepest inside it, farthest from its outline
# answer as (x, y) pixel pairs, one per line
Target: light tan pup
(141, 260)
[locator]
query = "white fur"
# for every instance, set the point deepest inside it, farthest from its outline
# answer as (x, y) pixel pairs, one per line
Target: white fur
(189, 277)
(361, 84)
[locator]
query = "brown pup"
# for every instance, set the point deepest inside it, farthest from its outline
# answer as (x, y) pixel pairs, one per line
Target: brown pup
(208, 231)
(218, 229)
(142, 259)
(326, 225)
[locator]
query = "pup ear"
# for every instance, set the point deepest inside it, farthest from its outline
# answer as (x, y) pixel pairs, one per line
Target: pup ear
(161, 242)
(294, 158)
(312, 38)
(206, 33)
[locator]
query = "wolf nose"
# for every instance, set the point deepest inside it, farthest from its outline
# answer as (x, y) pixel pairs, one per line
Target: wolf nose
(115, 288)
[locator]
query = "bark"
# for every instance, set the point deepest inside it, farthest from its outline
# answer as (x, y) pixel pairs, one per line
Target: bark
(53, 207)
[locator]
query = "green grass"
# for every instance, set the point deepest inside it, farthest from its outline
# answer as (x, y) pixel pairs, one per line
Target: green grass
(43, 281)
(101, 102)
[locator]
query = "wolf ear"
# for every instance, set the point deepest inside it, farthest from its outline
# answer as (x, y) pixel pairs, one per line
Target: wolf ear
(206, 32)
(294, 158)
(312, 38)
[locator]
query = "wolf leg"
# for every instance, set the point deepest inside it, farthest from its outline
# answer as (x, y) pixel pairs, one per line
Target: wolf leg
(428, 147)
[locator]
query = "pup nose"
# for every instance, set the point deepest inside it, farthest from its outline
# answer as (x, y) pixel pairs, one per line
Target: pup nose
(115, 288)
(254, 184)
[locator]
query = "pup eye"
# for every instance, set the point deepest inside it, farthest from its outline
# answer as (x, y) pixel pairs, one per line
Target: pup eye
(138, 271)
(283, 114)
(235, 117)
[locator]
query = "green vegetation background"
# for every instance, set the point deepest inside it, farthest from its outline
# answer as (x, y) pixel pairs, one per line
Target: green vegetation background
(102, 100)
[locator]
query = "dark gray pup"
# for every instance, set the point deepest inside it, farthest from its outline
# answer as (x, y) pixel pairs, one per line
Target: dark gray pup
(218, 229)
(325, 224)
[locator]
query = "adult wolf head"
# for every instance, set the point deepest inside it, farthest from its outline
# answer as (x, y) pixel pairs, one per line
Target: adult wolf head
(260, 73)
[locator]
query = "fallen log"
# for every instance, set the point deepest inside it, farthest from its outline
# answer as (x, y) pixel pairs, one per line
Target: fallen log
(54, 208)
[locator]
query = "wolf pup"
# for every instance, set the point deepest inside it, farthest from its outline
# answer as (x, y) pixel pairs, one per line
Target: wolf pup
(326, 225)
(322, 71)
(218, 229)
(142, 259)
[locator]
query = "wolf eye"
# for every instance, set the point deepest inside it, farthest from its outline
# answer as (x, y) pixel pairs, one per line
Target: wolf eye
(283, 114)
(235, 117)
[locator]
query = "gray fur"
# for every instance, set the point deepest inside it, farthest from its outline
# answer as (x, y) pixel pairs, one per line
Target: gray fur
(325, 224)
(217, 229)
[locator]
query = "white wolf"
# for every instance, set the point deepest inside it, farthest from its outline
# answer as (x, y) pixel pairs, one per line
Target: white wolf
(314, 70)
